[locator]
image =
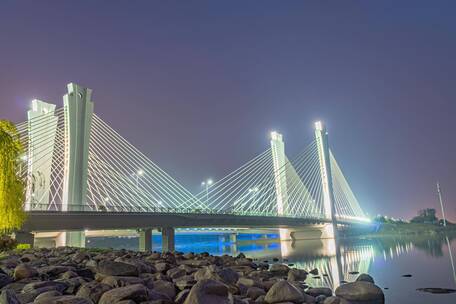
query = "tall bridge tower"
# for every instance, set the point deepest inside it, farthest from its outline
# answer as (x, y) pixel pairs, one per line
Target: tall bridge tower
(321, 136)
(280, 179)
(78, 110)
(39, 167)
(279, 161)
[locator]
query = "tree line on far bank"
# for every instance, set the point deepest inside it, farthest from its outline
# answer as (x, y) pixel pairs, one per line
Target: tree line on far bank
(424, 216)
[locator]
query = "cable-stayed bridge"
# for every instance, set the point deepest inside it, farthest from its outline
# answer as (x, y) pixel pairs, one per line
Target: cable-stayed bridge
(82, 174)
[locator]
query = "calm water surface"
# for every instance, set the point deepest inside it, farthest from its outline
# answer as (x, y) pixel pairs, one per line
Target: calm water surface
(428, 260)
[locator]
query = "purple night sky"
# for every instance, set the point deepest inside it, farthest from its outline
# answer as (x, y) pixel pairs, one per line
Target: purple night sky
(198, 85)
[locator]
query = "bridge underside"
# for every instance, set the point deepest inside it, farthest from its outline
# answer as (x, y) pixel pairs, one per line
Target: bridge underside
(72, 225)
(51, 221)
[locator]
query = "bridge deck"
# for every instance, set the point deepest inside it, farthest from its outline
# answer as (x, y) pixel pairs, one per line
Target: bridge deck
(80, 220)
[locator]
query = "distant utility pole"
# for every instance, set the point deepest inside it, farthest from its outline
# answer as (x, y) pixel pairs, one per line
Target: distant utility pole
(441, 203)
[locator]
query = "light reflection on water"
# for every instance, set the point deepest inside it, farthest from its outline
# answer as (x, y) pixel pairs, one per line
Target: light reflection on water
(428, 259)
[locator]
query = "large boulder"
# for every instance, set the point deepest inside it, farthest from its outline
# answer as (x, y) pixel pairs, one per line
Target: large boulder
(45, 296)
(28, 257)
(5, 280)
(248, 282)
(140, 265)
(181, 296)
(115, 282)
(283, 291)
(8, 297)
(157, 297)
(111, 268)
(331, 300)
(185, 282)
(317, 291)
(54, 270)
(16, 286)
(137, 293)
(188, 269)
(68, 275)
(361, 292)
(73, 284)
(41, 285)
(67, 300)
(24, 271)
(165, 287)
(297, 275)
(175, 273)
(79, 257)
(162, 267)
(279, 269)
(254, 292)
(226, 275)
(209, 292)
(364, 277)
(93, 291)
(28, 297)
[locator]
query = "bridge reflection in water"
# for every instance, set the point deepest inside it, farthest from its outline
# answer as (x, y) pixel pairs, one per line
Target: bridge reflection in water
(335, 262)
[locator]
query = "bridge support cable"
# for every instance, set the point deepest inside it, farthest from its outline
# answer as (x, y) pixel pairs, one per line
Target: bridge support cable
(42, 164)
(239, 189)
(346, 203)
(148, 188)
(251, 189)
(124, 151)
(304, 190)
(123, 191)
(73, 160)
(111, 191)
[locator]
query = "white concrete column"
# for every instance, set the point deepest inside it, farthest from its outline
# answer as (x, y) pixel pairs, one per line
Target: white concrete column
(42, 127)
(78, 119)
(321, 137)
(168, 239)
(279, 160)
(145, 239)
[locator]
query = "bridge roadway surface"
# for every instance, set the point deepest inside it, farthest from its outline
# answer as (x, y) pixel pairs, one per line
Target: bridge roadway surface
(81, 220)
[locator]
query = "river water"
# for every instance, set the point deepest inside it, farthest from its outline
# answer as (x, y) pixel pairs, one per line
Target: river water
(429, 260)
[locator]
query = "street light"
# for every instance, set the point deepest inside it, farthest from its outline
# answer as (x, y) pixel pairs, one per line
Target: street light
(137, 175)
(207, 184)
(254, 192)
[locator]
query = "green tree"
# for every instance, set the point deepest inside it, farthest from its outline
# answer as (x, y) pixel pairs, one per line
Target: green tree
(427, 216)
(12, 215)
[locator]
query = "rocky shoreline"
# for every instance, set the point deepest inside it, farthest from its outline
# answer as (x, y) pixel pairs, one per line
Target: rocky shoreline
(84, 276)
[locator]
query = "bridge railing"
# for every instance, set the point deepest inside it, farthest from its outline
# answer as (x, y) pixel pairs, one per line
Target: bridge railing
(162, 210)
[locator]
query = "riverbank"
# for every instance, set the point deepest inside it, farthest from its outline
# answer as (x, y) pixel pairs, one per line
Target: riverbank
(84, 276)
(398, 228)
(414, 228)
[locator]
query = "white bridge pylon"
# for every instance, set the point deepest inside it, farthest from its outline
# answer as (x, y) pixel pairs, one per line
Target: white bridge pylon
(75, 161)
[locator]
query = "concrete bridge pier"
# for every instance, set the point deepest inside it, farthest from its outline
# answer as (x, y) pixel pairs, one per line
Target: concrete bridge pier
(168, 239)
(323, 231)
(71, 239)
(145, 239)
(233, 237)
